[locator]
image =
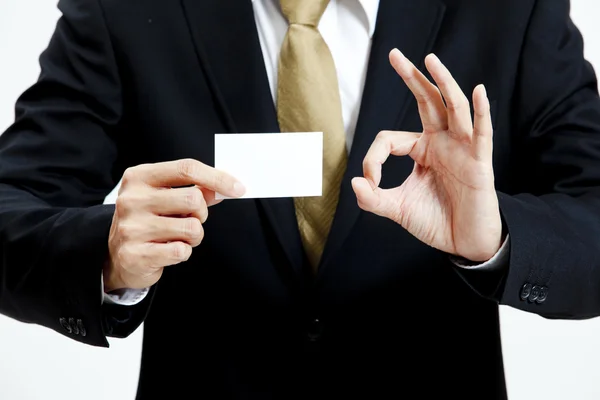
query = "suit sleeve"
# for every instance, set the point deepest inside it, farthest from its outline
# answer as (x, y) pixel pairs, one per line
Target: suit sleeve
(553, 216)
(58, 162)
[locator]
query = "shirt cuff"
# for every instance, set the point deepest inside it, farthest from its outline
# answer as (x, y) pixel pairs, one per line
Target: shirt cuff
(499, 261)
(123, 297)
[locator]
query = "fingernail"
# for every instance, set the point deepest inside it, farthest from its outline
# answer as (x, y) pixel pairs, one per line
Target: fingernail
(239, 189)
(395, 50)
(484, 90)
(435, 58)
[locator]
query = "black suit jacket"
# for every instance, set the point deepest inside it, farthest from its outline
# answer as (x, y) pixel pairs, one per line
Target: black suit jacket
(130, 82)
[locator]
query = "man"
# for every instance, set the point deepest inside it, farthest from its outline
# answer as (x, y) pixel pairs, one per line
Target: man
(388, 285)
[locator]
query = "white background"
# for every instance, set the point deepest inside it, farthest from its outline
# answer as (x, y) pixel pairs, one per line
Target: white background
(550, 360)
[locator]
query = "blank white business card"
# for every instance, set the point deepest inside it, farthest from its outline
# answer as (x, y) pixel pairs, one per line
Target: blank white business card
(272, 165)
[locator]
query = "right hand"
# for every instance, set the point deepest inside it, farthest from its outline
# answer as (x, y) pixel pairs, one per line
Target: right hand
(156, 225)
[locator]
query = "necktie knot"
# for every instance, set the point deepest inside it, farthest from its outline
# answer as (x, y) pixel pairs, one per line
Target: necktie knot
(303, 12)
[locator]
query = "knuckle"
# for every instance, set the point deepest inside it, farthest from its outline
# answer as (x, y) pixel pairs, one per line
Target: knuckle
(383, 135)
(192, 228)
(480, 113)
(187, 168)
(444, 86)
(128, 200)
(130, 175)
(453, 107)
(385, 139)
(483, 110)
(123, 200)
(121, 205)
(367, 162)
(423, 99)
(125, 231)
(193, 199)
(458, 104)
(180, 251)
(410, 76)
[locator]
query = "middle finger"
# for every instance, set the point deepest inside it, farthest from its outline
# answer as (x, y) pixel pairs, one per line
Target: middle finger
(457, 104)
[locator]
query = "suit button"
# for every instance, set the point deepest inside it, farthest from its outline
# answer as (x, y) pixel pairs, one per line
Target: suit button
(65, 325)
(74, 326)
(535, 293)
(543, 295)
(526, 291)
(315, 330)
(81, 328)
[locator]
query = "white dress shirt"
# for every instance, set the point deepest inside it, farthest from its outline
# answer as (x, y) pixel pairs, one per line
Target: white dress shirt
(347, 27)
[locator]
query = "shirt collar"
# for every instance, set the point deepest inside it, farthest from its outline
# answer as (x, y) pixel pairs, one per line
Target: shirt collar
(370, 7)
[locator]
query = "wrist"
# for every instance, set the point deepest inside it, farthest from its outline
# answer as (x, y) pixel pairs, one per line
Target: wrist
(488, 255)
(111, 278)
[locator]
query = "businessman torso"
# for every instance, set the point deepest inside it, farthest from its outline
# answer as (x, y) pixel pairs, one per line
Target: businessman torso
(385, 313)
(386, 316)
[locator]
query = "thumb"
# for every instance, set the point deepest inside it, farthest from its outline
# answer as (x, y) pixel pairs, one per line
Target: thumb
(374, 200)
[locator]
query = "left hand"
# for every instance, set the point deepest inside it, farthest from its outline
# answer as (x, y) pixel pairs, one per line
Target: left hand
(449, 201)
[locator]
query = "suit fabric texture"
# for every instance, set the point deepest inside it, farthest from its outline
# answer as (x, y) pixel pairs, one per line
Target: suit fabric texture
(129, 82)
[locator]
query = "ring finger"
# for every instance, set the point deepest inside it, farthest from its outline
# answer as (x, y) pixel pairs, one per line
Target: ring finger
(188, 201)
(166, 229)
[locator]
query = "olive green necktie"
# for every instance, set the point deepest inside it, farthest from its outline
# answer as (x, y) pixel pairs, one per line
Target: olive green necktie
(308, 100)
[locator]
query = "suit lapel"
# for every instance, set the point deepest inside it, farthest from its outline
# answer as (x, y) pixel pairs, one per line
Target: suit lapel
(228, 49)
(410, 26)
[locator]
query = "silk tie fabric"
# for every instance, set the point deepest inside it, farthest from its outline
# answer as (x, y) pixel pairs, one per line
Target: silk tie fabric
(308, 100)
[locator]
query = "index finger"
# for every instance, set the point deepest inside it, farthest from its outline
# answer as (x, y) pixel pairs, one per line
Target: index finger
(457, 104)
(385, 144)
(190, 172)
